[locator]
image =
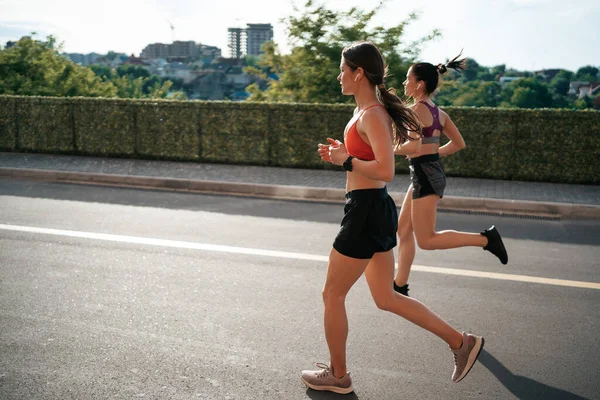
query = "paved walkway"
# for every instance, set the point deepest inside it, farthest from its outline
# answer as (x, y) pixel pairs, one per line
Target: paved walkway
(327, 185)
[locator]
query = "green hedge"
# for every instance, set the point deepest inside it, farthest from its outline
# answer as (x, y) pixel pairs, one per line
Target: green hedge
(534, 145)
(104, 127)
(8, 123)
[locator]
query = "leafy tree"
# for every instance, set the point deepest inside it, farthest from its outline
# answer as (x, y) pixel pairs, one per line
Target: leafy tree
(470, 74)
(499, 70)
(560, 85)
(476, 93)
(251, 61)
(560, 101)
(33, 67)
(179, 96)
(133, 71)
(487, 75)
(587, 73)
(103, 71)
(583, 103)
(511, 72)
(141, 87)
(318, 36)
(564, 73)
(527, 93)
(479, 94)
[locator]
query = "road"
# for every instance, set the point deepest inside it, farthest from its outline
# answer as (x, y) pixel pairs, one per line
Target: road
(125, 293)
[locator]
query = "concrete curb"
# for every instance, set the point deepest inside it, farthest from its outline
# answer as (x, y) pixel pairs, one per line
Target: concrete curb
(288, 192)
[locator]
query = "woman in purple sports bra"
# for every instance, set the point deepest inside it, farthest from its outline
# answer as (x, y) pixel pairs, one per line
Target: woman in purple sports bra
(418, 212)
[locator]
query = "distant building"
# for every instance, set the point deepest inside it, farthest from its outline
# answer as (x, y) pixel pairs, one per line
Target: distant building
(582, 89)
(210, 52)
(236, 42)
(10, 44)
(155, 51)
(256, 35)
(181, 51)
(248, 41)
(133, 60)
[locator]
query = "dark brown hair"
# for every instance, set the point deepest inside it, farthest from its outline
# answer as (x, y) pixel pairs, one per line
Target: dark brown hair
(368, 57)
(429, 73)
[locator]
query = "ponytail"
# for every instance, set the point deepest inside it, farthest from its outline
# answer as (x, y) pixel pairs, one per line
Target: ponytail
(454, 64)
(430, 74)
(404, 120)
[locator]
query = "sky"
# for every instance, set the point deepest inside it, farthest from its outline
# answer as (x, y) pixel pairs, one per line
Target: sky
(522, 34)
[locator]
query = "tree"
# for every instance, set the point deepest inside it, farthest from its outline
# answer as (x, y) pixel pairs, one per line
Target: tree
(587, 73)
(583, 103)
(472, 70)
(527, 93)
(560, 101)
(482, 94)
(33, 67)
(251, 61)
(133, 71)
(499, 70)
(103, 71)
(476, 94)
(564, 73)
(36, 68)
(318, 36)
(560, 85)
(141, 87)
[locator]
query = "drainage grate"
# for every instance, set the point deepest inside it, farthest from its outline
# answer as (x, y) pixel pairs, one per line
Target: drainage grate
(497, 214)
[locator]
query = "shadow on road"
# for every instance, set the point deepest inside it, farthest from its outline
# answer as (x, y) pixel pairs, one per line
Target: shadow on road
(316, 395)
(522, 387)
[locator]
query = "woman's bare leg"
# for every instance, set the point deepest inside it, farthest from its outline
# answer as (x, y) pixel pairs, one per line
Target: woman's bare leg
(406, 242)
(424, 214)
(342, 273)
(379, 274)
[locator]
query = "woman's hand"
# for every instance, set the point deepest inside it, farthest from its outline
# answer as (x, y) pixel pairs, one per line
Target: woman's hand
(337, 151)
(324, 152)
(335, 148)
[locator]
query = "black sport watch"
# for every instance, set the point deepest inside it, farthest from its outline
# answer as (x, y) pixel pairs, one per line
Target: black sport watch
(348, 163)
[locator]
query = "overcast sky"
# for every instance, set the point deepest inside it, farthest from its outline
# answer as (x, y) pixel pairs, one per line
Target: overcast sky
(523, 34)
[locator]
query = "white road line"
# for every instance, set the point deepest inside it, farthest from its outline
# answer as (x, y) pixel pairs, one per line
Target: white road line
(288, 255)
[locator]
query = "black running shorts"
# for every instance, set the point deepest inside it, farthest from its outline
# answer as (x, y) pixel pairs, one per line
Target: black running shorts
(369, 225)
(427, 176)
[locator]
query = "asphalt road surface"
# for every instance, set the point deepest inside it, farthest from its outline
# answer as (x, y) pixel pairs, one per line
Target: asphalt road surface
(116, 293)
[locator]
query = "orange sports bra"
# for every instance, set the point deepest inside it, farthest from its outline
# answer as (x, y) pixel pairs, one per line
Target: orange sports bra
(355, 145)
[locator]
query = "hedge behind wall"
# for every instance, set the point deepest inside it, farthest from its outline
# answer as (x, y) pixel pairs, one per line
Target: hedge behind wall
(534, 145)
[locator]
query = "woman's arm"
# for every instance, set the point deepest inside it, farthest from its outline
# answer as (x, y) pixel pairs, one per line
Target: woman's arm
(410, 146)
(377, 127)
(456, 142)
(414, 146)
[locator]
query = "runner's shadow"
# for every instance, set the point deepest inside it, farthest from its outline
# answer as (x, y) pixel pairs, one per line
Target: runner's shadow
(317, 395)
(522, 387)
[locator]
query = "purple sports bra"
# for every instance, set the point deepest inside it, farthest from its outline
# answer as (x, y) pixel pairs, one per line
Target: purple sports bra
(428, 130)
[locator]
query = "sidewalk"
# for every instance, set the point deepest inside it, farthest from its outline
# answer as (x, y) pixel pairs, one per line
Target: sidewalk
(465, 194)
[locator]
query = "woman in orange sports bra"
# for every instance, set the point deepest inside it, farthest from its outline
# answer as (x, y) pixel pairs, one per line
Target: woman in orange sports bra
(418, 212)
(367, 234)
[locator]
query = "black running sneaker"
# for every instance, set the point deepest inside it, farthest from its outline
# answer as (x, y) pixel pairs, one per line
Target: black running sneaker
(495, 245)
(403, 290)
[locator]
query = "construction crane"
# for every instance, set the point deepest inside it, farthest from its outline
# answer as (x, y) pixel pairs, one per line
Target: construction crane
(172, 31)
